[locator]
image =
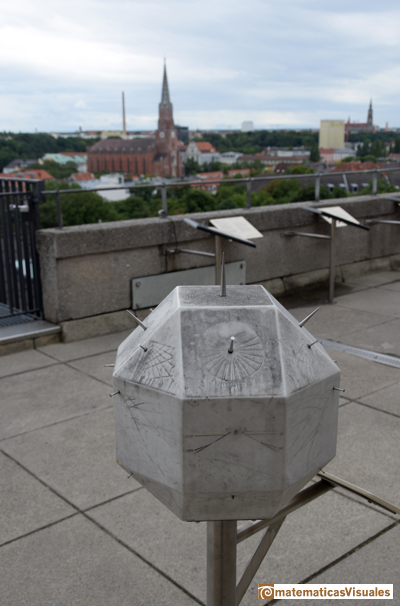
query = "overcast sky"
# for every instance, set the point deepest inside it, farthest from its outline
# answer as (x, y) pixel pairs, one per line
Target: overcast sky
(283, 64)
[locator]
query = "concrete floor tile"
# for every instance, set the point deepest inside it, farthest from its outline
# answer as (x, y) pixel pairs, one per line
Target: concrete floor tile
(94, 366)
(74, 563)
(387, 399)
(379, 301)
(310, 538)
(25, 504)
(332, 321)
(76, 458)
(368, 451)
(381, 278)
(383, 338)
(360, 377)
(23, 362)
(393, 286)
(377, 562)
(47, 396)
(89, 347)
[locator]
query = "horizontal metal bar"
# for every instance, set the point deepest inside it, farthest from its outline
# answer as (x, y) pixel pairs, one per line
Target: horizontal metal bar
(192, 252)
(371, 498)
(383, 221)
(307, 495)
(302, 233)
(16, 193)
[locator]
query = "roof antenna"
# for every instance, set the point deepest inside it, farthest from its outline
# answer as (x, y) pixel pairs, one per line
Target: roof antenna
(223, 279)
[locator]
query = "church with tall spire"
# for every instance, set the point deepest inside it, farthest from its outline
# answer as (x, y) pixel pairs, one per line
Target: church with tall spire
(158, 156)
(362, 127)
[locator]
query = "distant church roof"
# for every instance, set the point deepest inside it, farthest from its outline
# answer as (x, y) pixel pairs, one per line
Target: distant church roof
(118, 144)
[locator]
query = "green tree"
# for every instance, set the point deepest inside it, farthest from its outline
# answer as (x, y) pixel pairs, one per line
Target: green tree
(314, 153)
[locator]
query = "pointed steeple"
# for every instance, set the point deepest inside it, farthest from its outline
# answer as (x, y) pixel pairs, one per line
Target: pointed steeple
(370, 118)
(165, 100)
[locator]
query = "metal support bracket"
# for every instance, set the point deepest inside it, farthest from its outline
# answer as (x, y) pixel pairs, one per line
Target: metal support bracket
(305, 234)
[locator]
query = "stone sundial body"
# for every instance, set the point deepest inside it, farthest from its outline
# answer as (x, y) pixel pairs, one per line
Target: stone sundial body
(226, 407)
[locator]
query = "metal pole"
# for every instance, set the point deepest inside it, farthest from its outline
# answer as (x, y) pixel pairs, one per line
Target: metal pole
(59, 213)
(164, 200)
(218, 259)
(317, 187)
(221, 563)
(375, 182)
(332, 262)
(248, 194)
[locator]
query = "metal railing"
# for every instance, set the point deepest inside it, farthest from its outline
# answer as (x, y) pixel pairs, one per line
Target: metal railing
(20, 285)
(203, 183)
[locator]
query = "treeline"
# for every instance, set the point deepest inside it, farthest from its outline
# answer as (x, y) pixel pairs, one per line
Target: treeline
(256, 141)
(89, 207)
(31, 146)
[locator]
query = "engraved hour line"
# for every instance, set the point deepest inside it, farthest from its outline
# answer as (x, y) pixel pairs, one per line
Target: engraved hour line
(197, 450)
(263, 443)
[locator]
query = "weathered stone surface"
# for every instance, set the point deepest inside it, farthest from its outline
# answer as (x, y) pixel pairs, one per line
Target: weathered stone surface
(216, 434)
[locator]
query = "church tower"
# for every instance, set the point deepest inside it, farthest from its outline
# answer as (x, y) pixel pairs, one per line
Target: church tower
(167, 158)
(370, 119)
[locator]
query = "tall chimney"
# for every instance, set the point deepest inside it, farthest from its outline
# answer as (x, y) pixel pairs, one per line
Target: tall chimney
(123, 115)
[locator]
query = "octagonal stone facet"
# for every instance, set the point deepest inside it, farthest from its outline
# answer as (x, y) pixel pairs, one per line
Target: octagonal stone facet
(219, 435)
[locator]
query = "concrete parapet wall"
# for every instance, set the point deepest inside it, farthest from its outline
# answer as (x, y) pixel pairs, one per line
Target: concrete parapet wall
(87, 269)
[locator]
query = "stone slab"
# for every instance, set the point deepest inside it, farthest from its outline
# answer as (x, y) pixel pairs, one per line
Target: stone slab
(360, 377)
(93, 366)
(76, 458)
(332, 321)
(89, 347)
(368, 451)
(392, 286)
(24, 361)
(25, 504)
(387, 399)
(380, 278)
(28, 330)
(299, 550)
(46, 396)
(379, 301)
(383, 338)
(74, 563)
(376, 562)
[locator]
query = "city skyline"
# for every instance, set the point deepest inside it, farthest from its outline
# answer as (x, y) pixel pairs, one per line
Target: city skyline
(227, 63)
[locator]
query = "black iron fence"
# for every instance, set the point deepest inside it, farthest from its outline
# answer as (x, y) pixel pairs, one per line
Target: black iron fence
(252, 184)
(20, 286)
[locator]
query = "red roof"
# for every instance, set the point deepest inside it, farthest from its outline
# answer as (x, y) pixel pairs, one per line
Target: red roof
(82, 176)
(211, 176)
(205, 147)
(356, 165)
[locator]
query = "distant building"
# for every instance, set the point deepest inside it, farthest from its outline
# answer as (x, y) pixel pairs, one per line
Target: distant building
(182, 132)
(229, 157)
(331, 134)
(362, 127)
(18, 164)
(78, 158)
(31, 173)
(247, 126)
(201, 152)
(157, 155)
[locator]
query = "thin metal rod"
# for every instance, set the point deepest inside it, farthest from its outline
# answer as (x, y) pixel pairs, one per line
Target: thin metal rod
(374, 182)
(192, 252)
(218, 259)
(248, 193)
(59, 211)
(388, 222)
(317, 187)
(247, 529)
(303, 233)
(164, 202)
(137, 319)
(230, 350)
(372, 498)
(256, 559)
(308, 317)
(223, 278)
(221, 563)
(332, 262)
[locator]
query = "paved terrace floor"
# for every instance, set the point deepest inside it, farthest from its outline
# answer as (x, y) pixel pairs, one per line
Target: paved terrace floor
(76, 531)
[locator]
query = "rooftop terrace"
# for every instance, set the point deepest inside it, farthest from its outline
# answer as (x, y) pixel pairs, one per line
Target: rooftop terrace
(75, 530)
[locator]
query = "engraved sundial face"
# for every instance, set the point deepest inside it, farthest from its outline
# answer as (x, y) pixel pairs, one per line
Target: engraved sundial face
(245, 359)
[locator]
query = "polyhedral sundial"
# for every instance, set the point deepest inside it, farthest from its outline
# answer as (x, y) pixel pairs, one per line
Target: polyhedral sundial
(226, 407)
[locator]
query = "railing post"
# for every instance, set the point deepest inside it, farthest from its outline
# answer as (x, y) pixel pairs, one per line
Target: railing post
(164, 200)
(375, 182)
(221, 563)
(317, 187)
(248, 193)
(59, 213)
